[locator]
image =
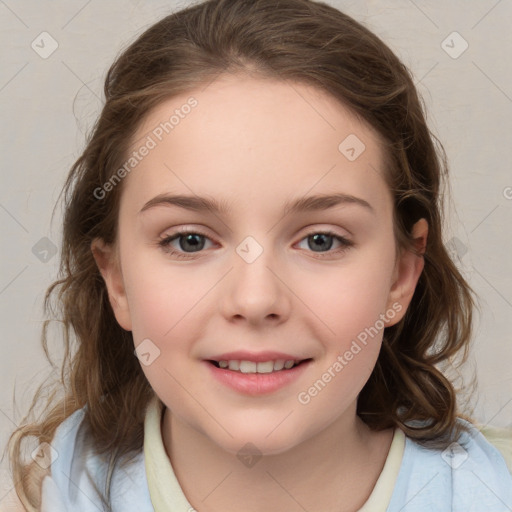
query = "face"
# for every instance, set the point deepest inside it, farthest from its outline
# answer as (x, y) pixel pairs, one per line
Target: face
(257, 280)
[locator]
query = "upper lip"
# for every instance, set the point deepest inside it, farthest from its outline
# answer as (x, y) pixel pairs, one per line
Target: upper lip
(257, 357)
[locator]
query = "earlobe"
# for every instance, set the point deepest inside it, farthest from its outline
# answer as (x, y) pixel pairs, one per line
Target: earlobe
(408, 270)
(107, 261)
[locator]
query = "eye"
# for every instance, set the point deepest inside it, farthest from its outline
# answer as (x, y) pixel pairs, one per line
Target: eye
(186, 240)
(190, 242)
(322, 241)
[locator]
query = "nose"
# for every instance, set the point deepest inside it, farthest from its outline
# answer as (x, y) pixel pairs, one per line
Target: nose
(256, 292)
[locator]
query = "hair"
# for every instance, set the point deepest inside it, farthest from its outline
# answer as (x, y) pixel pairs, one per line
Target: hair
(300, 41)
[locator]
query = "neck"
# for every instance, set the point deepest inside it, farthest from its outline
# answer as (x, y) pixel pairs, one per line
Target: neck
(335, 469)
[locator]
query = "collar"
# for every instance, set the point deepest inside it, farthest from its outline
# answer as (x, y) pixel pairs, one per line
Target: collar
(166, 493)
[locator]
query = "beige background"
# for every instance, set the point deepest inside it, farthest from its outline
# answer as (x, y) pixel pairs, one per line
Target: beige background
(48, 104)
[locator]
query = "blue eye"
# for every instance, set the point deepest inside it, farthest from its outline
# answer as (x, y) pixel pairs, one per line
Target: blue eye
(186, 240)
(324, 240)
(191, 242)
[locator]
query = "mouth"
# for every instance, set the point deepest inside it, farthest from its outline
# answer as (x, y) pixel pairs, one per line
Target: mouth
(248, 367)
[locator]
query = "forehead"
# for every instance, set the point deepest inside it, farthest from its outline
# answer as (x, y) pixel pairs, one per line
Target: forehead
(246, 141)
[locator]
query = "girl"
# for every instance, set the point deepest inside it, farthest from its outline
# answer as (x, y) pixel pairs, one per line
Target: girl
(255, 369)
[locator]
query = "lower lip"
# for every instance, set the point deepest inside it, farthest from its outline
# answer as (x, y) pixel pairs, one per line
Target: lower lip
(257, 383)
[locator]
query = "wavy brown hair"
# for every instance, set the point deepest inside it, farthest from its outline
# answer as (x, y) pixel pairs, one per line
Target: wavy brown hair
(295, 40)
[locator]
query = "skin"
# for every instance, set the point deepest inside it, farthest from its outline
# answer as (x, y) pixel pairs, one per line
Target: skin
(255, 144)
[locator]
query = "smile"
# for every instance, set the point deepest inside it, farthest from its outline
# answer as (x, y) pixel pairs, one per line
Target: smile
(257, 378)
(256, 367)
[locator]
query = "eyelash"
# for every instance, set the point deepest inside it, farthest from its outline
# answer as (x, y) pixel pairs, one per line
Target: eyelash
(165, 243)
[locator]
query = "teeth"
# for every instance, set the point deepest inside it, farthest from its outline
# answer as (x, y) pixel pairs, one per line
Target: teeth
(279, 364)
(233, 365)
(262, 367)
(267, 367)
(248, 366)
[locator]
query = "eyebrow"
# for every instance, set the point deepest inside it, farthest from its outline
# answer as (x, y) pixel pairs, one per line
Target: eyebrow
(304, 204)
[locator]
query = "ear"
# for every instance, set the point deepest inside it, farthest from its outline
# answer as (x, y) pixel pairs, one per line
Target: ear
(107, 260)
(407, 272)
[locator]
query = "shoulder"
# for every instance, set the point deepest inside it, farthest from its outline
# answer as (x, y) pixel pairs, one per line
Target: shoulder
(487, 444)
(501, 439)
(79, 474)
(39, 470)
(469, 475)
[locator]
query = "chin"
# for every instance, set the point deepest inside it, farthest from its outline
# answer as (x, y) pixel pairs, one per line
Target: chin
(261, 439)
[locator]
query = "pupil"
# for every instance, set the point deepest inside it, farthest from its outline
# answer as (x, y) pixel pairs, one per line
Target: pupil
(319, 237)
(189, 239)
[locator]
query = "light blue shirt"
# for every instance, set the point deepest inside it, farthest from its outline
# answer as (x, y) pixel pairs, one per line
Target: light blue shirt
(470, 476)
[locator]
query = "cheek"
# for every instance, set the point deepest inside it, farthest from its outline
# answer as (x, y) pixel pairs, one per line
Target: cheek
(352, 297)
(164, 305)
(160, 295)
(352, 309)
(161, 303)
